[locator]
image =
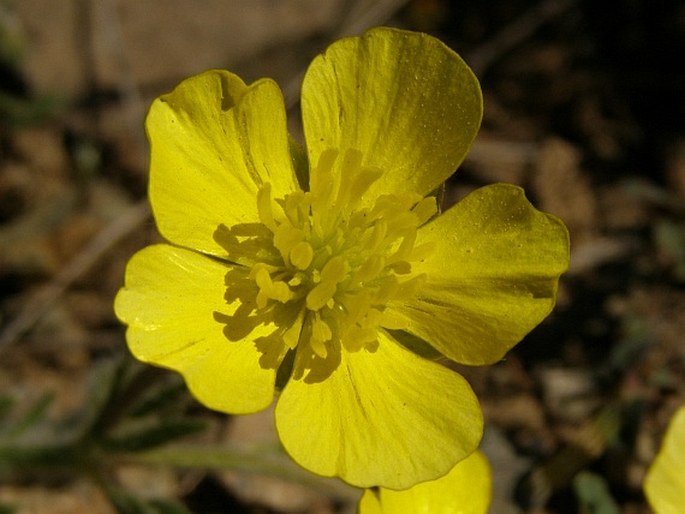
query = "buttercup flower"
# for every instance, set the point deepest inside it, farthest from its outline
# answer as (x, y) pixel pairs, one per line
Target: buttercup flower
(466, 489)
(665, 481)
(313, 272)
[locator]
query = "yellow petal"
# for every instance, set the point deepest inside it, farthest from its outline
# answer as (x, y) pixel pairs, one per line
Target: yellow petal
(169, 303)
(407, 102)
(213, 142)
(388, 418)
(491, 278)
(665, 481)
(466, 489)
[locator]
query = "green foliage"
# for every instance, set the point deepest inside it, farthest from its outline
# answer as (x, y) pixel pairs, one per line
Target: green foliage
(6, 404)
(593, 494)
(132, 437)
(130, 415)
(17, 112)
(669, 236)
(129, 408)
(12, 41)
(36, 414)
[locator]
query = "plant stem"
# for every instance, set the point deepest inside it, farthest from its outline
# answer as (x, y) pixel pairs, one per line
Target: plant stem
(210, 457)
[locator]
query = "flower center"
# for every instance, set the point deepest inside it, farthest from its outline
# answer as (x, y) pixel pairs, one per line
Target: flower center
(320, 268)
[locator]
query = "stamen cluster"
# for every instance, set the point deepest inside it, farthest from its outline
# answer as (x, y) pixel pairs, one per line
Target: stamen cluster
(323, 265)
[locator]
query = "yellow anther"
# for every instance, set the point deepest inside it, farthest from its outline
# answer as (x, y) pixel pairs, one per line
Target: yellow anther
(292, 335)
(351, 164)
(286, 237)
(270, 290)
(321, 333)
(319, 296)
(325, 264)
(370, 268)
(403, 222)
(296, 280)
(320, 181)
(321, 330)
(378, 233)
(281, 292)
(262, 277)
(335, 270)
(301, 255)
(403, 252)
(425, 209)
(296, 208)
(363, 181)
(386, 290)
(373, 316)
(410, 287)
(355, 338)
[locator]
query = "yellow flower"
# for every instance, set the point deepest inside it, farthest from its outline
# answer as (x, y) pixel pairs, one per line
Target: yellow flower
(311, 272)
(466, 489)
(665, 481)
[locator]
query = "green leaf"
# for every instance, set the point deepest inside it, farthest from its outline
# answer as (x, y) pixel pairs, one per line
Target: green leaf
(160, 398)
(169, 506)
(126, 503)
(103, 383)
(23, 458)
(669, 237)
(18, 112)
(6, 404)
(593, 494)
(35, 415)
(134, 437)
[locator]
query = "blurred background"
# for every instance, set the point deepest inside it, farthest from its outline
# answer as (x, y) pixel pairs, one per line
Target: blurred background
(584, 107)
